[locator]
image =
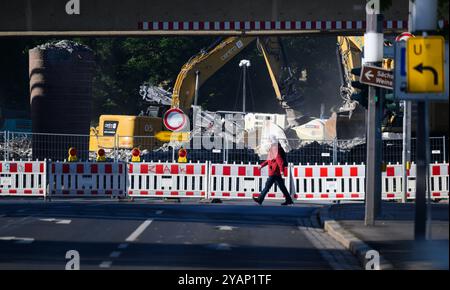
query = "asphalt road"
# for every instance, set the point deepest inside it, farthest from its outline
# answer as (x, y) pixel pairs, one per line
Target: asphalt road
(164, 235)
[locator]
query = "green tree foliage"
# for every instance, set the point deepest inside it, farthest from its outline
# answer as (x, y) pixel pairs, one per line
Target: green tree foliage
(122, 65)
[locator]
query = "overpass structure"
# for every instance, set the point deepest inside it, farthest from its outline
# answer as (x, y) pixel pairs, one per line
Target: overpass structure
(178, 17)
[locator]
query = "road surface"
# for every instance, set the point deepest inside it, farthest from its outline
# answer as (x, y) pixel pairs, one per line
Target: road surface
(110, 234)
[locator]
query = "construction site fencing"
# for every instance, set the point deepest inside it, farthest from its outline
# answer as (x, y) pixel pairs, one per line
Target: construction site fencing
(40, 146)
(3, 145)
(205, 180)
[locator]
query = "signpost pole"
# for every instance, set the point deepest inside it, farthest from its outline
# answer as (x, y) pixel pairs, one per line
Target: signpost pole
(426, 22)
(406, 153)
(421, 155)
(373, 54)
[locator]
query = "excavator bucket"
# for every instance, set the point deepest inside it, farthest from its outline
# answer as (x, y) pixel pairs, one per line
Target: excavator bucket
(347, 125)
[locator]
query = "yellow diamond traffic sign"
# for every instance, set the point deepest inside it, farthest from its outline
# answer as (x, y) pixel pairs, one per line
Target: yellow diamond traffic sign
(425, 64)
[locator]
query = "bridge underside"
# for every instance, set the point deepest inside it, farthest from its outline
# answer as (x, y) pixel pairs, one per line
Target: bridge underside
(200, 17)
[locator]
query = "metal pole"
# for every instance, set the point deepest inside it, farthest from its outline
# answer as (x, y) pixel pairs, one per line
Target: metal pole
(421, 179)
(243, 90)
(443, 150)
(8, 144)
(5, 145)
(424, 19)
(197, 76)
(373, 55)
(244, 64)
(335, 151)
(406, 153)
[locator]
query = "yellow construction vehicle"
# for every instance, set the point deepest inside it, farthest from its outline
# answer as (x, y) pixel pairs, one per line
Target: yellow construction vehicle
(202, 66)
(127, 132)
(285, 84)
(199, 68)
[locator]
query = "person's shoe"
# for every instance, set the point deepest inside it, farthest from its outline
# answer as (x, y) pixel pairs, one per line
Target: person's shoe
(257, 200)
(287, 202)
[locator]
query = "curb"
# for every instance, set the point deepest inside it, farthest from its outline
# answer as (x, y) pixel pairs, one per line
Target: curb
(356, 246)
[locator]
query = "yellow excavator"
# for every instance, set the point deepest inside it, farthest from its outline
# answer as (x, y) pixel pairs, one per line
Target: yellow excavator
(202, 66)
(285, 84)
(349, 120)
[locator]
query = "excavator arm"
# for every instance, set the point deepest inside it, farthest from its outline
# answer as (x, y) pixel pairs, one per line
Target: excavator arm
(205, 64)
(209, 61)
(285, 84)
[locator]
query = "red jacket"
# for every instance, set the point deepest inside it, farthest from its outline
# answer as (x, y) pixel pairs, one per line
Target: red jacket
(276, 166)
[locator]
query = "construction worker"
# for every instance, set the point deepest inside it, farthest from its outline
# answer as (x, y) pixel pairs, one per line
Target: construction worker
(277, 162)
(182, 155)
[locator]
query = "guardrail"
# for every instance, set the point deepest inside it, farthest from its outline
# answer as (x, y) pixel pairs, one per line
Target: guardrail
(204, 180)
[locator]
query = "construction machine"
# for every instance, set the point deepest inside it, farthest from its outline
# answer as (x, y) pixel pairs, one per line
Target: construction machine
(347, 122)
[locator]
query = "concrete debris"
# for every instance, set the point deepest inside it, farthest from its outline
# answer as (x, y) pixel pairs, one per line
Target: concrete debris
(66, 45)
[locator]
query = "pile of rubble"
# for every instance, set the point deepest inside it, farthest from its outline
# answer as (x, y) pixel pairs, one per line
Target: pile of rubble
(66, 45)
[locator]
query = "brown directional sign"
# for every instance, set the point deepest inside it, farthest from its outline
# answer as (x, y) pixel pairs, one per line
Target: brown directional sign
(377, 76)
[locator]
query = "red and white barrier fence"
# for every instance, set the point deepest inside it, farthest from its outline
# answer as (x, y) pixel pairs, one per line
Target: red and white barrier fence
(439, 183)
(392, 186)
(205, 180)
(241, 181)
(167, 179)
(328, 182)
(70, 179)
(23, 178)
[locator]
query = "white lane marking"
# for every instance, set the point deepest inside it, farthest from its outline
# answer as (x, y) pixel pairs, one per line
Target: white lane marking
(57, 221)
(18, 240)
(225, 228)
(139, 231)
(105, 264)
(123, 246)
(115, 254)
(159, 211)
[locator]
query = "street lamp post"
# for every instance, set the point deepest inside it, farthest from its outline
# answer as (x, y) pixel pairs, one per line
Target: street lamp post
(245, 64)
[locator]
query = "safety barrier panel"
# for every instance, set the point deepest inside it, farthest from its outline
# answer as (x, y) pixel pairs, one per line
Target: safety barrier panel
(439, 175)
(392, 181)
(70, 179)
(205, 180)
(24, 178)
(241, 181)
(329, 182)
(167, 179)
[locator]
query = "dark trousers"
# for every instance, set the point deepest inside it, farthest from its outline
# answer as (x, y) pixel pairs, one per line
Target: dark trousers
(280, 182)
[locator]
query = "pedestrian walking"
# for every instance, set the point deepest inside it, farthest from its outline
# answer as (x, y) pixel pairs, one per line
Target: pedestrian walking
(276, 160)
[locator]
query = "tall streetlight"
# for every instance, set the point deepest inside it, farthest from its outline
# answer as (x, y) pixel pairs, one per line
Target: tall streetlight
(245, 64)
